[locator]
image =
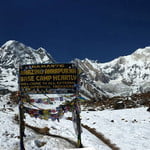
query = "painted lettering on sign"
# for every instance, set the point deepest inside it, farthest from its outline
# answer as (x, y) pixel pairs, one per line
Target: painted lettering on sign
(47, 77)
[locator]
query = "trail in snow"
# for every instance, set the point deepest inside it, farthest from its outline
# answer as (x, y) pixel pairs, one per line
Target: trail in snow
(101, 137)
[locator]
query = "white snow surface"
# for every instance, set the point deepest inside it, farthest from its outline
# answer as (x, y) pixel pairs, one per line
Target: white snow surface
(129, 129)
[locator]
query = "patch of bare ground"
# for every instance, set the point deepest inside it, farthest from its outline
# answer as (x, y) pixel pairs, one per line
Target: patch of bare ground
(119, 102)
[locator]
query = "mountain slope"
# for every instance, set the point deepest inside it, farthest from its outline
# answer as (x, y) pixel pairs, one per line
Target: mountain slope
(122, 76)
(13, 54)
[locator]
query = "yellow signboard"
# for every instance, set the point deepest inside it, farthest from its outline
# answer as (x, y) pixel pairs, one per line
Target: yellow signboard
(48, 78)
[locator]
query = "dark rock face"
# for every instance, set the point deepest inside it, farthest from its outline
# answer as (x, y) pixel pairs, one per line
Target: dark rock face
(148, 109)
(4, 91)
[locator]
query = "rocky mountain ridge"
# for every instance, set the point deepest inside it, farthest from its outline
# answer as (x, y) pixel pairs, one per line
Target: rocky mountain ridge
(122, 76)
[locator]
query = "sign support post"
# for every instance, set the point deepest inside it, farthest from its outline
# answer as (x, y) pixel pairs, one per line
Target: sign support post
(21, 123)
(78, 119)
(21, 116)
(79, 144)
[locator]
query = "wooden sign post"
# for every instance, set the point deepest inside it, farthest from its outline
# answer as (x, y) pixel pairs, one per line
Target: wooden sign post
(77, 111)
(21, 123)
(79, 144)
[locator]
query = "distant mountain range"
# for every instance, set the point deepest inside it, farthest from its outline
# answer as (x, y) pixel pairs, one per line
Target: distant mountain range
(122, 76)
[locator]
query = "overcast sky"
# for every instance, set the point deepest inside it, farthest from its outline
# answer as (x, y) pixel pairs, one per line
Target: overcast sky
(96, 29)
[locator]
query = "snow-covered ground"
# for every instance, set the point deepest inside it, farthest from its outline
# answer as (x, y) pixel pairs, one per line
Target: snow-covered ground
(129, 129)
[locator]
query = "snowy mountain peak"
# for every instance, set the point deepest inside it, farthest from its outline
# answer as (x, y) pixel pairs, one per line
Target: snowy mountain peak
(15, 51)
(13, 54)
(145, 50)
(142, 54)
(41, 49)
(8, 43)
(11, 44)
